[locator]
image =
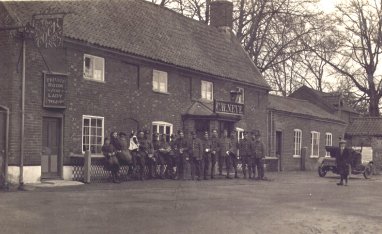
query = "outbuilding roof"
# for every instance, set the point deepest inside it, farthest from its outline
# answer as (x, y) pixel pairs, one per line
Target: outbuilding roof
(300, 107)
(141, 28)
(366, 126)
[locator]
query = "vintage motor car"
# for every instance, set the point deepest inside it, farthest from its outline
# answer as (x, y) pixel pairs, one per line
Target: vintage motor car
(326, 164)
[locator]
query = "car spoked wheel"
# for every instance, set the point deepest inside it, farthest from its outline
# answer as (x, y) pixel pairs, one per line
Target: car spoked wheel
(368, 171)
(321, 171)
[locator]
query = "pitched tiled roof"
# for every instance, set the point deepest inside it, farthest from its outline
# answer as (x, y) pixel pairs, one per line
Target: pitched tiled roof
(299, 107)
(333, 99)
(141, 28)
(370, 126)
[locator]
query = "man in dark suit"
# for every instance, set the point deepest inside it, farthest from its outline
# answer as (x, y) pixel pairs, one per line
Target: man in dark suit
(342, 160)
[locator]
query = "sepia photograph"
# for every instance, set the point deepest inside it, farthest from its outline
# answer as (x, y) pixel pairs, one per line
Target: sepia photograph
(191, 116)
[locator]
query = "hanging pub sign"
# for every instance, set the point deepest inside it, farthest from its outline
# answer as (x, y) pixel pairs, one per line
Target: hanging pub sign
(48, 30)
(54, 90)
(228, 107)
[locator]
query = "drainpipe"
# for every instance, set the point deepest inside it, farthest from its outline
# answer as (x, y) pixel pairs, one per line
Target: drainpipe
(21, 178)
(6, 147)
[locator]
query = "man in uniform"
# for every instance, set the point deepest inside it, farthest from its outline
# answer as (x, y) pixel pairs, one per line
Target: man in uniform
(215, 148)
(144, 151)
(259, 154)
(160, 151)
(225, 146)
(181, 147)
(233, 152)
(196, 156)
(342, 161)
(245, 150)
(206, 146)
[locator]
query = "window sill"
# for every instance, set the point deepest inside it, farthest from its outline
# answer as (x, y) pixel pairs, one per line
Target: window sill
(98, 81)
(160, 92)
(296, 156)
(314, 156)
(93, 155)
(206, 100)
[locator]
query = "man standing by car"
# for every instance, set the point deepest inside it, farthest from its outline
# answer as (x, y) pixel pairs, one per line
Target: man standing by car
(342, 161)
(259, 150)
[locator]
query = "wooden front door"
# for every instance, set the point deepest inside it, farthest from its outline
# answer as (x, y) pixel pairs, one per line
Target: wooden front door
(51, 133)
(3, 119)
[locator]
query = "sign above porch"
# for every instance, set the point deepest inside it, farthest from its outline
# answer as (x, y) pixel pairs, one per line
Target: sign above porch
(228, 107)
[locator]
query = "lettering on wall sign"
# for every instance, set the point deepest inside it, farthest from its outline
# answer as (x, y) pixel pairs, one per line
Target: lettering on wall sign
(228, 107)
(54, 90)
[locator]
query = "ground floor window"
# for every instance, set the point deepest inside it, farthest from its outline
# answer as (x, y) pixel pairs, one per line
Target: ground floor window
(92, 133)
(315, 146)
(163, 128)
(240, 133)
(328, 142)
(297, 142)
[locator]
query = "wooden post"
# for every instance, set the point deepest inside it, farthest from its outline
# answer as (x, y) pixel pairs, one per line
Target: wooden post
(303, 157)
(87, 166)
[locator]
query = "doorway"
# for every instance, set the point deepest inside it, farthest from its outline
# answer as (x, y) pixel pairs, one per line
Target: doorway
(51, 138)
(279, 146)
(226, 125)
(201, 126)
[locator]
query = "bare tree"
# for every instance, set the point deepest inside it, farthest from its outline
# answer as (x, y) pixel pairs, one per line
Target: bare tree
(358, 36)
(271, 32)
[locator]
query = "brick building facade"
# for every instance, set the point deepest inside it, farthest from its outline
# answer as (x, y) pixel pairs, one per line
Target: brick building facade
(295, 124)
(124, 65)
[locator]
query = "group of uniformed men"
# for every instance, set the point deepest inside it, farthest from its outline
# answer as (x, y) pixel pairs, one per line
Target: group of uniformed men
(202, 155)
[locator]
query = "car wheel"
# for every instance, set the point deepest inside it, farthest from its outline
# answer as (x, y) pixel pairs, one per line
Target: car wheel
(321, 171)
(368, 171)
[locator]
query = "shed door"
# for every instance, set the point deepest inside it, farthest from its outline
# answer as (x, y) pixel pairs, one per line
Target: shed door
(50, 147)
(3, 120)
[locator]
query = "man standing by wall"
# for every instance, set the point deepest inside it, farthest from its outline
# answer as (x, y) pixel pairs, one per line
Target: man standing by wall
(245, 150)
(196, 153)
(225, 146)
(233, 151)
(259, 150)
(181, 148)
(215, 148)
(206, 145)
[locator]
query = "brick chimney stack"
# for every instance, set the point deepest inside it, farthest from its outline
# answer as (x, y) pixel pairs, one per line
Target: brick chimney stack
(221, 14)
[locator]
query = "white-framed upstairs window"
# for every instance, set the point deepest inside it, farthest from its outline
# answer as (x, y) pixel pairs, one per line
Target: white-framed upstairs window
(94, 68)
(297, 141)
(240, 95)
(163, 128)
(315, 144)
(207, 90)
(92, 133)
(328, 142)
(240, 133)
(159, 81)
